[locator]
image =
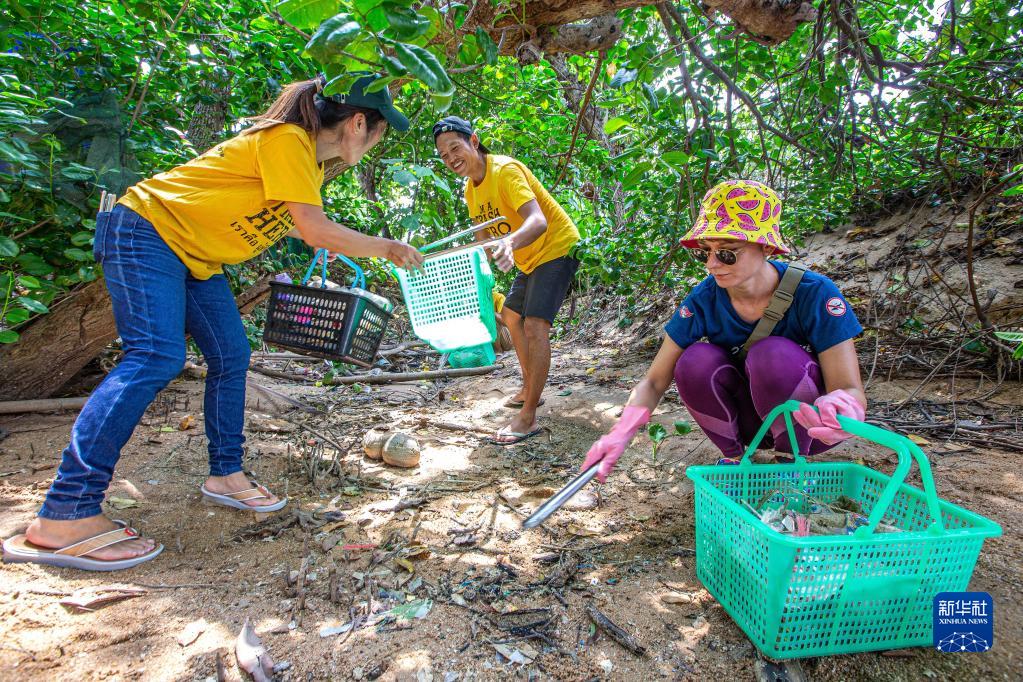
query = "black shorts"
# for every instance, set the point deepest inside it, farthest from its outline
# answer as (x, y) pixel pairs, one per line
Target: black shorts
(541, 292)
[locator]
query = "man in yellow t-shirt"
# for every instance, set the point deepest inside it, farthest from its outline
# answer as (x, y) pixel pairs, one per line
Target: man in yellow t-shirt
(537, 238)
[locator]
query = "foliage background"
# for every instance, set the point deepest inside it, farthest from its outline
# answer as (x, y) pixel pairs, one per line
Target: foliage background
(873, 103)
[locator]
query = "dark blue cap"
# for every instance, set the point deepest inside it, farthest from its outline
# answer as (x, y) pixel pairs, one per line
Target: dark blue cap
(379, 100)
(454, 124)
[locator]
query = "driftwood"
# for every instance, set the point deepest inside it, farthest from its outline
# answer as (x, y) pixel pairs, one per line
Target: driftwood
(616, 633)
(50, 405)
(396, 377)
(56, 346)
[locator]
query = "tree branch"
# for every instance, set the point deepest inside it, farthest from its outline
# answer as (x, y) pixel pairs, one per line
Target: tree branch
(729, 83)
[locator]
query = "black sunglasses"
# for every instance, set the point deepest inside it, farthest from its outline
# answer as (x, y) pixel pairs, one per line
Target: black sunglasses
(725, 256)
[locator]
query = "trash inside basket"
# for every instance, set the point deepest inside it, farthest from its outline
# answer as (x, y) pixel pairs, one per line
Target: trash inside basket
(346, 325)
(832, 594)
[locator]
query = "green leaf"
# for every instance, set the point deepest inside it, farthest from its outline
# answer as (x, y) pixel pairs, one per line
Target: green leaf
(615, 124)
(636, 174)
(81, 238)
(682, 427)
(657, 432)
(332, 36)
(34, 265)
(442, 100)
(405, 23)
(651, 96)
(8, 336)
(32, 304)
(423, 65)
(17, 315)
(29, 282)
(76, 171)
(379, 84)
(341, 84)
(1013, 191)
(8, 247)
(487, 45)
(623, 76)
(306, 14)
(676, 159)
(1015, 337)
(76, 254)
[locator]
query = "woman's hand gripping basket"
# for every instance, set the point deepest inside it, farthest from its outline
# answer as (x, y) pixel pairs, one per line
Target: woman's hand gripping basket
(867, 585)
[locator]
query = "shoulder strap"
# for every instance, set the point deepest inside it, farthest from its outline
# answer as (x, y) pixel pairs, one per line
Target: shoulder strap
(780, 302)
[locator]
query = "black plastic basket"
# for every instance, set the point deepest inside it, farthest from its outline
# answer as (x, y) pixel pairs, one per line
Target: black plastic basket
(325, 323)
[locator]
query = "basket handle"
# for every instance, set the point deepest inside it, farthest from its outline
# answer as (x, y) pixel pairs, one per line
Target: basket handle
(906, 449)
(321, 256)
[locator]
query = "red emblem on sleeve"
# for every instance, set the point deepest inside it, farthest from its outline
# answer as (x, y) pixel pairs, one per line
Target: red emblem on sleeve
(835, 307)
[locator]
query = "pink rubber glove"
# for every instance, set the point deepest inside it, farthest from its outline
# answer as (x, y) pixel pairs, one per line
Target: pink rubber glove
(609, 448)
(824, 426)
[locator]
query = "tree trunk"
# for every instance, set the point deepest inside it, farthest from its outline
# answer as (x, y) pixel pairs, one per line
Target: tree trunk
(57, 346)
(537, 27)
(209, 118)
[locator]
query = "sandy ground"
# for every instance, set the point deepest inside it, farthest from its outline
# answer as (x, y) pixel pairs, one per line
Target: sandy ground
(464, 544)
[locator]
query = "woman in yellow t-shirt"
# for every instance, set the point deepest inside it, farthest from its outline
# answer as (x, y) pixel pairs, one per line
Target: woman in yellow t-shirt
(162, 249)
(538, 236)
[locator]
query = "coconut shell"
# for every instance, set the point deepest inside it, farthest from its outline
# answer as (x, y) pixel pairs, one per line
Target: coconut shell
(401, 450)
(373, 442)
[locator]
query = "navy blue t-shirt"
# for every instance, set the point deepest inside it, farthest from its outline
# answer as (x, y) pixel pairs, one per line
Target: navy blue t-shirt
(818, 318)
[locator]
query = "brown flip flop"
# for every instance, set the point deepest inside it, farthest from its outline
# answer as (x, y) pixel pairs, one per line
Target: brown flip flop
(19, 550)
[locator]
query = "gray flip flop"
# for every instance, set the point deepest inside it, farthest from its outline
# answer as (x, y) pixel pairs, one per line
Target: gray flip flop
(19, 550)
(237, 500)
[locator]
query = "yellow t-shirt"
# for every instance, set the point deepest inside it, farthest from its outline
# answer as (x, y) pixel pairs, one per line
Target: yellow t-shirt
(507, 186)
(227, 205)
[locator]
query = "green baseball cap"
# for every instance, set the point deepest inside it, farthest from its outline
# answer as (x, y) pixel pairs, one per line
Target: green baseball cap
(379, 100)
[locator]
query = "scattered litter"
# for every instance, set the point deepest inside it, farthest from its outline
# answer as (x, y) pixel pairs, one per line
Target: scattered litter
(582, 501)
(90, 599)
(122, 503)
(523, 654)
(359, 547)
(606, 665)
(262, 424)
(252, 655)
(187, 422)
(330, 631)
(192, 632)
(582, 531)
(466, 540)
(417, 609)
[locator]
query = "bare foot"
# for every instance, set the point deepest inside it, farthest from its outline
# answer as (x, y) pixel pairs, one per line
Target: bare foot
(55, 534)
(234, 483)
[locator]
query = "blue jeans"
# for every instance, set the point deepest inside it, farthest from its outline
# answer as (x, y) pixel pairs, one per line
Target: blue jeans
(155, 301)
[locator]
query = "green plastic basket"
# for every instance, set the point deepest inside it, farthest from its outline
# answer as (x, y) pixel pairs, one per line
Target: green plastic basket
(834, 594)
(451, 303)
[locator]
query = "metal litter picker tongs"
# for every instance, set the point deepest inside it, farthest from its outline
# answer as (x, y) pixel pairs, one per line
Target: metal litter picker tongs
(561, 497)
(462, 233)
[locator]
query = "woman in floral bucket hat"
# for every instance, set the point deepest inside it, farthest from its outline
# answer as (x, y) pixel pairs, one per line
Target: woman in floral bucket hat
(809, 355)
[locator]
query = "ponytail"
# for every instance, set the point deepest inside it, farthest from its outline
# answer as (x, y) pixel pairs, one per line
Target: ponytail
(302, 104)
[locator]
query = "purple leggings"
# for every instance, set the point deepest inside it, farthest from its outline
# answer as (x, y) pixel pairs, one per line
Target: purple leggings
(729, 400)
